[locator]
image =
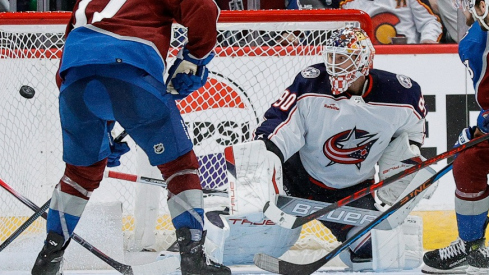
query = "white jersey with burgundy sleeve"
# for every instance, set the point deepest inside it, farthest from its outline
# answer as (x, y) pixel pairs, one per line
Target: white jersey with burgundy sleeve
(341, 138)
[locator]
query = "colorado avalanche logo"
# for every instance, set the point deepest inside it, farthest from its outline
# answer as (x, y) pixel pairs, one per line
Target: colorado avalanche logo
(349, 147)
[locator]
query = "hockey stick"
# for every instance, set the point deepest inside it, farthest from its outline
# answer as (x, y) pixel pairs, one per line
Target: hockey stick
(289, 221)
(164, 266)
(121, 136)
(25, 225)
(151, 181)
(290, 205)
(156, 182)
(275, 265)
(344, 215)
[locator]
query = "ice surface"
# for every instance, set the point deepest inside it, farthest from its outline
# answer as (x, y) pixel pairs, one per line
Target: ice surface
(241, 270)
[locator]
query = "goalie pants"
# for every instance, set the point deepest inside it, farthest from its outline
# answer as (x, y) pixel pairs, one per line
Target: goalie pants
(298, 183)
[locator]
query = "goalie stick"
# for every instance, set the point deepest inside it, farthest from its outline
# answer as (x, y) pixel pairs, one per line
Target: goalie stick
(164, 266)
(344, 215)
(25, 225)
(156, 182)
(290, 205)
(289, 221)
(272, 264)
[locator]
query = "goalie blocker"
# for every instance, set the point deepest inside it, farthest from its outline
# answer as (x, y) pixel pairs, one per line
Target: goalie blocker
(399, 156)
(255, 177)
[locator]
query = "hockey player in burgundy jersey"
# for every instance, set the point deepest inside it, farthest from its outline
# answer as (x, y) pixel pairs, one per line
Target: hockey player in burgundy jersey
(469, 253)
(336, 122)
(112, 70)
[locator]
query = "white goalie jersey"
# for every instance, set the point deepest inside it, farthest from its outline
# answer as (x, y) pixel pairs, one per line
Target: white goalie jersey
(341, 138)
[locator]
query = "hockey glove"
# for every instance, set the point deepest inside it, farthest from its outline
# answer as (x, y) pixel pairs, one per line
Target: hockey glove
(398, 156)
(117, 149)
(187, 74)
(483, 121)
(465, 136)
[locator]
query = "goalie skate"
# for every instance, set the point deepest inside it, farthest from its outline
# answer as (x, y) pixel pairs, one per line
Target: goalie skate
(449, 260)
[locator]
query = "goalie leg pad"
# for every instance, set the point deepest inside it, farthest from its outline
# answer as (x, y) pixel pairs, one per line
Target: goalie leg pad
(235, 240)
(359, 255)
(217, 232)
(413, 239)
(254, 176)
(388, 252)
(398, 249)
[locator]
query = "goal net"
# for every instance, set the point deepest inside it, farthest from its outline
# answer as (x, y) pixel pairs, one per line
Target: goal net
(257, 56)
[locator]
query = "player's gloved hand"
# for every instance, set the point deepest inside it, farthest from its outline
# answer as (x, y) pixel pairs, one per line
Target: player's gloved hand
(465, 136)
(187, 74)
(398, 156)
(483, 121)
(117, 149)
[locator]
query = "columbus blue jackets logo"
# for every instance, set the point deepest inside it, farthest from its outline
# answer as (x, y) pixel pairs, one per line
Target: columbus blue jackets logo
(310, 72)
(405, 81)
(349, 147)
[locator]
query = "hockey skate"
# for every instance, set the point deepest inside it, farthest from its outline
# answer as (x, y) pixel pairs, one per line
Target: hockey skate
(193, 260)
(449, 260)
(478, 258)
(50, 259)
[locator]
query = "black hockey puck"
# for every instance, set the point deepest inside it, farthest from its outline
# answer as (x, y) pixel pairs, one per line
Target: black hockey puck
(27, 91)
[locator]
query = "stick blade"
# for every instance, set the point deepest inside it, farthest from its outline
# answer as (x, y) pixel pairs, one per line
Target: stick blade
(275, 265)
(267, 262)
(165, 266)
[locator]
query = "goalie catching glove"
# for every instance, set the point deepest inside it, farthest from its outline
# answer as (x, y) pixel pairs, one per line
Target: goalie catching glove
(187, 74)
(398, 156)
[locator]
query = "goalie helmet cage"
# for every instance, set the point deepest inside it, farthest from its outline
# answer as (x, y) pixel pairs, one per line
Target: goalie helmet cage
(258, 55)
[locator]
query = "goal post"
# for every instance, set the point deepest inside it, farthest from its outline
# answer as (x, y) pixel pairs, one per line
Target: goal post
(258, 54)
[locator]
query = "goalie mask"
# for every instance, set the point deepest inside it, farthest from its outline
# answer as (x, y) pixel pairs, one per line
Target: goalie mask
(469, 5)
(348, 55)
